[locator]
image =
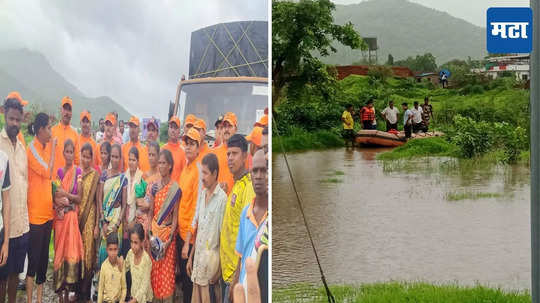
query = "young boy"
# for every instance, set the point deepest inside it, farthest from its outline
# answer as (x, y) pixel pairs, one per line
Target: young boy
(112, 279)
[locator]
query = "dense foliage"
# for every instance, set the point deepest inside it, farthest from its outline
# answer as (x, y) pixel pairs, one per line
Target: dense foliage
(496, 117)
(299, 30)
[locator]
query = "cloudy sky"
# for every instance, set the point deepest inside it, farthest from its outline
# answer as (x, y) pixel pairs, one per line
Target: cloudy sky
(132, 51)
(473, 11)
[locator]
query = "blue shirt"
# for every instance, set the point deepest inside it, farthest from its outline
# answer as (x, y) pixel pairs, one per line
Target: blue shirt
(247, 233)
(408, 113)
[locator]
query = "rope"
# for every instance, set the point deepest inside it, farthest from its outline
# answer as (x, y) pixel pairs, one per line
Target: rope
(331, 298)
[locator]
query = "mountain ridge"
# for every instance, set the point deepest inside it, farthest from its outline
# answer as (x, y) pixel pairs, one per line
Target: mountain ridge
(405, 28)
(31, 74)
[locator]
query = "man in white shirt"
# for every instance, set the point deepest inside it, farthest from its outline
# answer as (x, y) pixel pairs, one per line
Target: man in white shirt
(417, 121)
(390, 114)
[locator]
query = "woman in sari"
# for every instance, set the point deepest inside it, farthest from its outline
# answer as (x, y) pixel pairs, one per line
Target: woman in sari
(88, 220)
(151, 176)
(68, 246)
(105, 156)
(112, 197)
(134, 176)
(166, 195)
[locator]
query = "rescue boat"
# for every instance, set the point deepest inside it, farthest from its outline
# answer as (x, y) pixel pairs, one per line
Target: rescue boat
(378, 138)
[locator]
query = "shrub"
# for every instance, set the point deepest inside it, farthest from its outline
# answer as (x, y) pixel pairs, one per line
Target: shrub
(473, 138)
(512, 140)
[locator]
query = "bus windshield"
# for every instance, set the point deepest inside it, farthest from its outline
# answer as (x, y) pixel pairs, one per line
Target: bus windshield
(209, 100)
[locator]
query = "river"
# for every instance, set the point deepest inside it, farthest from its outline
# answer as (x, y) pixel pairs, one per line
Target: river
(436, 220)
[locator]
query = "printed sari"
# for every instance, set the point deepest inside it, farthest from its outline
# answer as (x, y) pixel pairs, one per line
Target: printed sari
(87, 224)
(162, 276)
(112, 209)
(68, 245)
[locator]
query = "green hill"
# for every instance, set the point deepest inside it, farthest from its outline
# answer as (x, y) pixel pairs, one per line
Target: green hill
(31, 74)
(406, 29)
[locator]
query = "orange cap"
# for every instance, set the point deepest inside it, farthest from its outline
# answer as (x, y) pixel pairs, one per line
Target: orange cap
(231, 118)
(176, 120)
(134, 120)
(86, 114)
(263, 121)
(256, 136)
(17, 96)
(200, 124)
(190, 119)
(193, 134)
(67, 100)
(111, 118)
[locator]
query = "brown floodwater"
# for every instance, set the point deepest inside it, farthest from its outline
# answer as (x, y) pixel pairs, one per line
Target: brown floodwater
(430, 219)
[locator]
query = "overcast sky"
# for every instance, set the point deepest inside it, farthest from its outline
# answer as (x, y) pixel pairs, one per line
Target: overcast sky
(132, 51)
(473, 11)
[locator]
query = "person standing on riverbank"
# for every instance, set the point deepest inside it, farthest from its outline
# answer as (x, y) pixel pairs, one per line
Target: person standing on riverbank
(390, 114)
(417, 118)
(427, 113)
(407, 119)
(348, 125)
(367, 115)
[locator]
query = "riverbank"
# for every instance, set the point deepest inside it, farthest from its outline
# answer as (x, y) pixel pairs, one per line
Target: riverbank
(301, 140)
(440, 147)
(397, 292)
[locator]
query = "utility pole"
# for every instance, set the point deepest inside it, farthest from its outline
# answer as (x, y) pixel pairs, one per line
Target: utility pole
(535, 155)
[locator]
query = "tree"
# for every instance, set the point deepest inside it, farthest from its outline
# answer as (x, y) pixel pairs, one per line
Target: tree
(299, 31)
(390, 60)
(424, 63)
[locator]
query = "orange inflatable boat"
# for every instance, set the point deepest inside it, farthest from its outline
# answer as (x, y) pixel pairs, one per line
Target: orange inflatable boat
(379, 138)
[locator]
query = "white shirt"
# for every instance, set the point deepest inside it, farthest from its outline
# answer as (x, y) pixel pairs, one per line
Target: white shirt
(207, 220)
(391, 114)
(417, 114)
(99, 136)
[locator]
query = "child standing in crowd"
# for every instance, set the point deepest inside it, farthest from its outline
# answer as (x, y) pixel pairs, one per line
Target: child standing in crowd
(112, 280)
(139, 264)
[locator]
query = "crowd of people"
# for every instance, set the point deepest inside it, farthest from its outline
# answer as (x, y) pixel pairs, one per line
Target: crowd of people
(132, 221)
(414, 120)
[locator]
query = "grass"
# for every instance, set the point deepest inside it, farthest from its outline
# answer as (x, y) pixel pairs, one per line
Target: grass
(331, 180)
(397, 292)
(459, 196)
(339, 173)
(436, 147)
(439, 147)
(301, 140)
